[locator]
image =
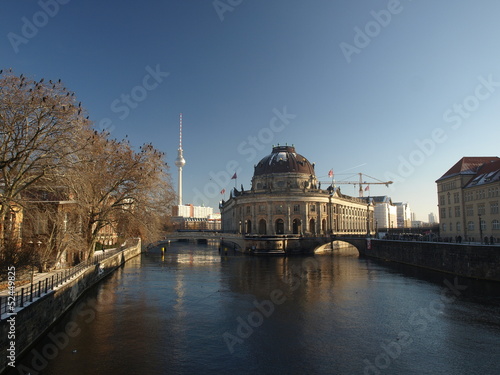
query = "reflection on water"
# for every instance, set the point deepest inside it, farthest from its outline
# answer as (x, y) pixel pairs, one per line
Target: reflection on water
(193, 311)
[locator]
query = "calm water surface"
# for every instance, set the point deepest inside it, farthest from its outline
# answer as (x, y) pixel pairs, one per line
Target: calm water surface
(192, 311)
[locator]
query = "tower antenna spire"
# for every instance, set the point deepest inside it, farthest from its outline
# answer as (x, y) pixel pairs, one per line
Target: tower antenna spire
(180, 131)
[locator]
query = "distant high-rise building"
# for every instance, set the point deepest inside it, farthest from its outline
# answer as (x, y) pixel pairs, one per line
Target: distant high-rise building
(385, 212)
(432, 218)
(403, 214)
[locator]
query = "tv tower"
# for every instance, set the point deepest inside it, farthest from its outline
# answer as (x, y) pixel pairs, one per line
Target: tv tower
(180, 162)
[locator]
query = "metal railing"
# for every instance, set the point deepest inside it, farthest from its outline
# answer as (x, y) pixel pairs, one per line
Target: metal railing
(25, 295)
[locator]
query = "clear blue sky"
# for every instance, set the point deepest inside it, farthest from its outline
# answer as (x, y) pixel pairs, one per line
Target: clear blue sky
(397, 90)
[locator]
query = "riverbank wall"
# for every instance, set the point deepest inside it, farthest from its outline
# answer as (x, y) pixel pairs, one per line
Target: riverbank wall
(473, 261)
(22, 329)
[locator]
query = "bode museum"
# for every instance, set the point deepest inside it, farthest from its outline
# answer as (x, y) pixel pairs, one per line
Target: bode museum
(287, 199)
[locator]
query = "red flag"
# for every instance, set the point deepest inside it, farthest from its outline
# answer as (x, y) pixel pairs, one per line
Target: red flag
(234, 176)
(367, 187)
(330, 173)
(223, 191)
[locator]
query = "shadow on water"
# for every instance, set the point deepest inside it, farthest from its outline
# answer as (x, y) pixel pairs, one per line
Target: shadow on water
(472, 288)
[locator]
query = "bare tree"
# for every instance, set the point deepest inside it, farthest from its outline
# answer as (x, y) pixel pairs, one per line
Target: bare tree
(39, 127)
(51, 229)
(116, 186)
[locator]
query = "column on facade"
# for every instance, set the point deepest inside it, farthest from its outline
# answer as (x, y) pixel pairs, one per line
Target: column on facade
(287, 219)
(305, 225)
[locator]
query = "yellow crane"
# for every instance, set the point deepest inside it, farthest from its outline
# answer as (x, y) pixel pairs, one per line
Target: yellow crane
(360, 182)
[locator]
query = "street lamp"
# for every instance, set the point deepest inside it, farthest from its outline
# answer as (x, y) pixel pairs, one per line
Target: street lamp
(330, 218)
(480, 229)
(368, 234)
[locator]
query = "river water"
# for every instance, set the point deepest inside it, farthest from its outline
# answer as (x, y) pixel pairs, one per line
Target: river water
(193, 311)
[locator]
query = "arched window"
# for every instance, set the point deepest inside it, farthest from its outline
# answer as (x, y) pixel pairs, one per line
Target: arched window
(312, 226)
(262, 226)
(280, 226)
(296, 226)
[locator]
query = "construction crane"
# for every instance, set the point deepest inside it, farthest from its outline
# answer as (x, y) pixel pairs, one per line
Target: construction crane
(361, 182)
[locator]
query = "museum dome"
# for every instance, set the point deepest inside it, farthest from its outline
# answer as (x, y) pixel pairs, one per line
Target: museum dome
(283, 159)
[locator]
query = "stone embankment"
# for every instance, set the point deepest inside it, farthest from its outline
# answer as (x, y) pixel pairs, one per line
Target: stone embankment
(22, 328)
(473, 261)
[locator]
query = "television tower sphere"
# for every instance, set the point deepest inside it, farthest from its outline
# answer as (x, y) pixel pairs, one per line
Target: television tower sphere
(180, 161)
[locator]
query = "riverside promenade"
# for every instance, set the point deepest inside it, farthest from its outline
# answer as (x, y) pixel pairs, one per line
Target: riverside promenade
(27, 312)
(27, 291)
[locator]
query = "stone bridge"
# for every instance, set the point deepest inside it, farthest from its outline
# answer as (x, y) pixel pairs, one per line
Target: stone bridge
(258, 244)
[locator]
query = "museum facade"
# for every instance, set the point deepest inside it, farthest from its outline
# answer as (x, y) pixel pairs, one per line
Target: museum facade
(287, 199)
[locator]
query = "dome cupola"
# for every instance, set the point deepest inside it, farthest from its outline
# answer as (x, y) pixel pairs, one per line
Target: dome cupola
(283, 159)
(283, 168)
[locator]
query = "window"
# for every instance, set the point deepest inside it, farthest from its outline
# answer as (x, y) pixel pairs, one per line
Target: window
(480, 209)
(296, 208)
(262, 208)
(443, 213)
(470, 225)
(483, 225)
(469, 210)
(444, 227)
(456, 197)
(248, 209)
(313, 208)
(457, 211)
(459, 227)
(494, 208)
(441, 200)
(495, 225)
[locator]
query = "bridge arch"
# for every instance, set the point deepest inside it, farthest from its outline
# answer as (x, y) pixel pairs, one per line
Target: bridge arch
(360, 243)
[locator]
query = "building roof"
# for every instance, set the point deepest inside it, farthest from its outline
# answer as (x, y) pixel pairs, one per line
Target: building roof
(283, 159)
(486, 174)
(381, 199)
(468, 165)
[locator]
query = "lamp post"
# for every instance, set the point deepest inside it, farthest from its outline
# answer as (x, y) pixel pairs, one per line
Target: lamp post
(368, 234)
(330, 218)
(32, 245)
(480, 229)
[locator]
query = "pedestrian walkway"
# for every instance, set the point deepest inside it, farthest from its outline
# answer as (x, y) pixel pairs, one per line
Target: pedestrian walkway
(46, 281)
(41, 276)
